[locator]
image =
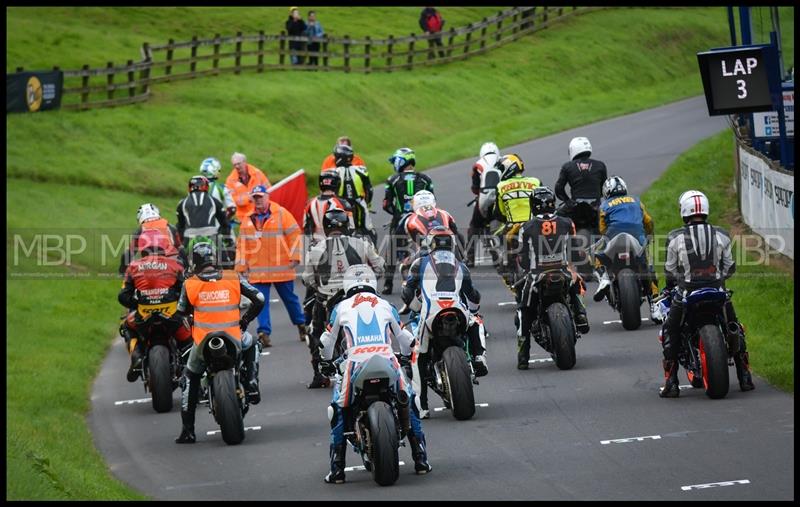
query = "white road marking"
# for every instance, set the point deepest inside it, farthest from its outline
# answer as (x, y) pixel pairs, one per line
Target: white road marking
(131, 402)
(687, 386)
(246, 428)
(265, 353)
(274, 300)
(715, 484)
(439, 409)
(631, 439)
(546, 360)
(361, 467)
(506, 303)
(619, 321)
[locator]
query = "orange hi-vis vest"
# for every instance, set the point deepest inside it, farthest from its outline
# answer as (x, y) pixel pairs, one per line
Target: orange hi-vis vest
(265, 254)
(161, 224)
(330, 162)
(241, 192)
(216, 305)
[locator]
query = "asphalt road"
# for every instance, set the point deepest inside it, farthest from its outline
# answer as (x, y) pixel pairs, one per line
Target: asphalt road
(596, 432)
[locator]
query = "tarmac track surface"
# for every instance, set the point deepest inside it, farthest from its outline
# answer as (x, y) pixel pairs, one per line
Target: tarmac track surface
(596, 432)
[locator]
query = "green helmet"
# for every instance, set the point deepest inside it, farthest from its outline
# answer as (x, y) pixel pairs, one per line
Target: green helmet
(402, 158)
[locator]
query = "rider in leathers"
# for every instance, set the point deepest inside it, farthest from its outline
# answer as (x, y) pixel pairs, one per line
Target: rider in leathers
(693, 262)
(324, 271)
(489, 155)
(438, 269)
(584, 175)
(544, 246)
(349, 329)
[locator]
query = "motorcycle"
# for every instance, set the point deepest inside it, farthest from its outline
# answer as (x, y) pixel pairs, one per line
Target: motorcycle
(163, 362)
(221, 386)
(708, 341)
(447, 368)
(630, 278)
(554, 328)
(373, 425)
(585, 215)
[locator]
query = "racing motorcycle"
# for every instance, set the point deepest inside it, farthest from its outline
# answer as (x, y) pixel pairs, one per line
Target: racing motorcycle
(221, 385)
(554, 328)
(630, 278)
(585, 215)
(375, 423)
(708, 341)
(163, 362)
(447, 368)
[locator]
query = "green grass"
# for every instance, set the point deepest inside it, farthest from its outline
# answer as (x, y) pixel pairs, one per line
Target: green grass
(709, 167)
(93, 169)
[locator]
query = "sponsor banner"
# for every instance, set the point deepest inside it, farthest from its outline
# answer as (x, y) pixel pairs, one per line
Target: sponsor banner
(767, 125)
(767, 201)
(33, 91)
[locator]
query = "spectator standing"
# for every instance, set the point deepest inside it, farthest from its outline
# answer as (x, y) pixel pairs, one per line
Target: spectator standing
(330, 160)
(296, 27)
(267, 251)
(431, 22)
(241, 181)
(313, 29)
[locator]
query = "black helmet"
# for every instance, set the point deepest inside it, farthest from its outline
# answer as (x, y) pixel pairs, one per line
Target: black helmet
(198, 183)
(329, 180)
(203, 255)
(336, 220)
(439, 238)
(543, 201)
(342, 155)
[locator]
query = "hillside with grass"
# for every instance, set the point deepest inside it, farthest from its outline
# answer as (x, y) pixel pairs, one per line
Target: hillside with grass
(89, 171)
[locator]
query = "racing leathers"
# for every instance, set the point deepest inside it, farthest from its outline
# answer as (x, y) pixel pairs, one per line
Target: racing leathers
(324, 270)
(212, 297)
(152, 283)
(544, 246)
(484, 180)
(356, 188)
(417, 225)
(585, 177)
(513, 208)
(399, 190)
(439, 274)
(698, 255)
(201, 215)
(367, 320)
(175, 249)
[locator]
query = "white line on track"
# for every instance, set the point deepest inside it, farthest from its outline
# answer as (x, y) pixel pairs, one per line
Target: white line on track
(247, 428)
(545, 360)
(506, 303)
(131, 402)
(274, 300)
(715, 484)
(619, 321)
(265, 353)
(687, 386)
(361, 467)
(439, 409)
(631, 439)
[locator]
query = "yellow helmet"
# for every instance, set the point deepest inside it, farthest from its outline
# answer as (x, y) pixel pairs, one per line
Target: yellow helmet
(510, 166)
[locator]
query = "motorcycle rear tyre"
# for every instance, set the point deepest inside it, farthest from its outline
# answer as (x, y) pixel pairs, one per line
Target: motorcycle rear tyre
(159, 378)
(562, 335)
(462, 398)
(714, 359)
(227, 410)
(383, 433)
(630, 300)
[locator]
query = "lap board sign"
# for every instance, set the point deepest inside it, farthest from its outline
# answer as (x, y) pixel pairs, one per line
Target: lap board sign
(33, 91)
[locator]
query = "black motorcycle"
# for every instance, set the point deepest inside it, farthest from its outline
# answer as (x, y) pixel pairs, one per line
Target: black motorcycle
(163, 362)
(709, 341)
(630, 278)
(585, 215)
(221, 384)
(554, 328)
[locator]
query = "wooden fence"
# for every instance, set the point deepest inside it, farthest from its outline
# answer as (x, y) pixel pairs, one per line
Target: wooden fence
(115, 85)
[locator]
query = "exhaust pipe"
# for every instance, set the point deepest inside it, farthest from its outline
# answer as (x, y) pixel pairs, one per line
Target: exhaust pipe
(217, 346)
(402, 412)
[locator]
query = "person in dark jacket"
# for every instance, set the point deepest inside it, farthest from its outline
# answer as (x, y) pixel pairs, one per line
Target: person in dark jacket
(313, 29)
(296, 27)
(431, 22)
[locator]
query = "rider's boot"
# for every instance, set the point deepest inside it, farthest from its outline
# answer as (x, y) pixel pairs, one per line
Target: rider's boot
(387, 286)
(480, 366)
(302, 331)
(742, 362)
(670, 389)
(603, 285)
(337, 453)
(424, 413)
(189, 393)
(419, 454)
(137, 355)
(250, 379)
(581, 321)
(319, 380)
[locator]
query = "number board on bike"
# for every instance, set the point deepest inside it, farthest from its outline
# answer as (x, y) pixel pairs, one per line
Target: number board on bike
(740, 79)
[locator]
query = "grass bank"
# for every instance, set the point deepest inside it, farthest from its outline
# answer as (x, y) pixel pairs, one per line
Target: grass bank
(91, 170)
(763, 286)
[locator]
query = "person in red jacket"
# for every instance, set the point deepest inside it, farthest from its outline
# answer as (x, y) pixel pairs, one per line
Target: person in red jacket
(154, 281)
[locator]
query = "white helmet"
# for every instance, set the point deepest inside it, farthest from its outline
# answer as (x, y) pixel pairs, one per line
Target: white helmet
(359, 278)
(489, 147)
(147, 211)
(210, 168)
(693, 202)
(614, 186)
(423, 198)
(578, 146)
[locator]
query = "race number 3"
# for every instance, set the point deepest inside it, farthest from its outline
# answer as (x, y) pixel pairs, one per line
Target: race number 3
(742, 90)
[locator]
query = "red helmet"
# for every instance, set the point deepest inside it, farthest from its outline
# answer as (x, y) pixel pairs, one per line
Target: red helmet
(152, 241)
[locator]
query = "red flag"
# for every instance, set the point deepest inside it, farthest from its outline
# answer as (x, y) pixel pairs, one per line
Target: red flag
(291, 193)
